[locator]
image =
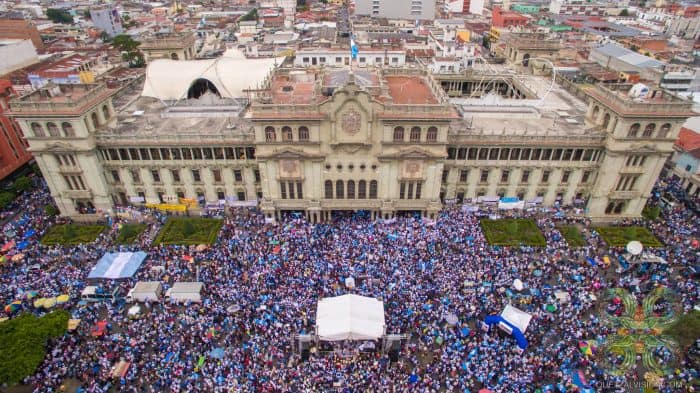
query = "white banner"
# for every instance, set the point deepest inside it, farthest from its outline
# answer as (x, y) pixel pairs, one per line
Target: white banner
(252, 203)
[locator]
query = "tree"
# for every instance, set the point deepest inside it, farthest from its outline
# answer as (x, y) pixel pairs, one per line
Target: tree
(625, 12)
(51, 210)
(129, 48)
(251, 15)
(59, 16)
(486, 42)
(6, 198)
(22, 184)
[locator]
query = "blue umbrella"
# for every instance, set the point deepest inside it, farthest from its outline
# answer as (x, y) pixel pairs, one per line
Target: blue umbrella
(29, 233)
(22, 245)
(413, 378)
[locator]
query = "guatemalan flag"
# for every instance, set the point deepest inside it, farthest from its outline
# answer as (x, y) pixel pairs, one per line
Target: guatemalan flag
(353, 48)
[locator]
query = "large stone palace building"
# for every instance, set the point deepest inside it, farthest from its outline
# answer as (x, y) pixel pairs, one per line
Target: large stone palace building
(323, 139)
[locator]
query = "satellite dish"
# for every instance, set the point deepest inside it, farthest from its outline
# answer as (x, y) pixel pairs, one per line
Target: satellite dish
(634, 247)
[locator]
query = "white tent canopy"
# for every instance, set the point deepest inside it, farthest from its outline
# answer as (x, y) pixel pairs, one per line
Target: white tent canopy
(169, 80)
(350, 317)
(516, 317)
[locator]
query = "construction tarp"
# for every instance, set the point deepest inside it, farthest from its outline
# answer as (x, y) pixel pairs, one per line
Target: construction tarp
(350, 317)
(114, 265)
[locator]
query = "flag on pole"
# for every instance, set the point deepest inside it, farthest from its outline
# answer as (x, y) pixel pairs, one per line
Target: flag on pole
(353, 48)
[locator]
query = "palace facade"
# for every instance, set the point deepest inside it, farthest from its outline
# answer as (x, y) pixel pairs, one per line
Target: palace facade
(323, 139)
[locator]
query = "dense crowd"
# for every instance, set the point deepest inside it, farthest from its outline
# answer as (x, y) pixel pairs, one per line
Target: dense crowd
(274, 275)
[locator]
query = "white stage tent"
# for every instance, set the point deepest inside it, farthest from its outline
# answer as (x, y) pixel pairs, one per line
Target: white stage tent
(169, 80)
(516, 317)
(350, 317)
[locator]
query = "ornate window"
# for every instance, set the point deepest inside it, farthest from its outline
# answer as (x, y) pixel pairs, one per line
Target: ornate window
(398, 134)
(38, 130)
(328, 188)
(596, 112)
(634, 130)
(649, 130)
(664, 130)
(67, 129)
(373, 189)
(415, 134)
(351, 189)
(270, 135)
(339, 189)
(606, 120)
(431, 136)
(286, 133)
(53, 129)
(303, 133)
(361, 189)
(105, 112)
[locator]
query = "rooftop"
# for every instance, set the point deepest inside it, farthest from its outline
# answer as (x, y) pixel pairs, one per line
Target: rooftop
(688, 140)
(61, 99)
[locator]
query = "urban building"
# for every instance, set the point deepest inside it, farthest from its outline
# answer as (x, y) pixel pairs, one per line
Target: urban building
(618, 58)
(519, 48)
(686, 161)
(107, 19)
(13, 146)
(19, 28)
(501, 18)
(396, 9)
(684, 27)
(339, 57)
(71, 69)
(323, 139)
(465, 6)
(176, 46)
(577, 7)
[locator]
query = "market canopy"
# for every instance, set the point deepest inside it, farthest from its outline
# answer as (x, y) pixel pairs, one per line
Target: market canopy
(350, 317)
(115, 265)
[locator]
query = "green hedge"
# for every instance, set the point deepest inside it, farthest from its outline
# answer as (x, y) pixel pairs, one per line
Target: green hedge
(130, 232)
(620, 236)
(572, 235)
(72, 234)
(515, 232)
(189, 231)
(651, 213)
(23, 343)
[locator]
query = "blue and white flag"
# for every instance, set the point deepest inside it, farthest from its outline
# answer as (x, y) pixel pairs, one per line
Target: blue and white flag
(353, 48)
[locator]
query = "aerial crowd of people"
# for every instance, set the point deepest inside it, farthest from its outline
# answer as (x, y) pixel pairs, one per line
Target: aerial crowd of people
(262, 283)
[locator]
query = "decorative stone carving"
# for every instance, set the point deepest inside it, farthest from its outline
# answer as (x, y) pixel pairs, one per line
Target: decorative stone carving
(350, 122)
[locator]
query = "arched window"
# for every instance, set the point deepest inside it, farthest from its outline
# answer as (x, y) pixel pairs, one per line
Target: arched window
(270, 135)
(67, 129)
(53, 129)
(431, 136)
(361, 189)
(634, 130)
(174, 56)
(351, 189)
(105, 112)
(328, 188)
(95, 120)
(373, 189)
(303, 133)
(606, 120)
(339, 189)
(664, 130)
(649, 130)
(415, 134)
(596, 112)
(38, 130)
(286, 133)
(398, 134)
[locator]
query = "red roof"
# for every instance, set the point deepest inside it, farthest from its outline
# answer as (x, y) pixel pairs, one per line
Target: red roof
(688, 140)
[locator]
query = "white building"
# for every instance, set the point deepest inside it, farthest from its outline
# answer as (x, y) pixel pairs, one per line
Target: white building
(397, 9)
(341, 57)
(577, 7)
(107, 19)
